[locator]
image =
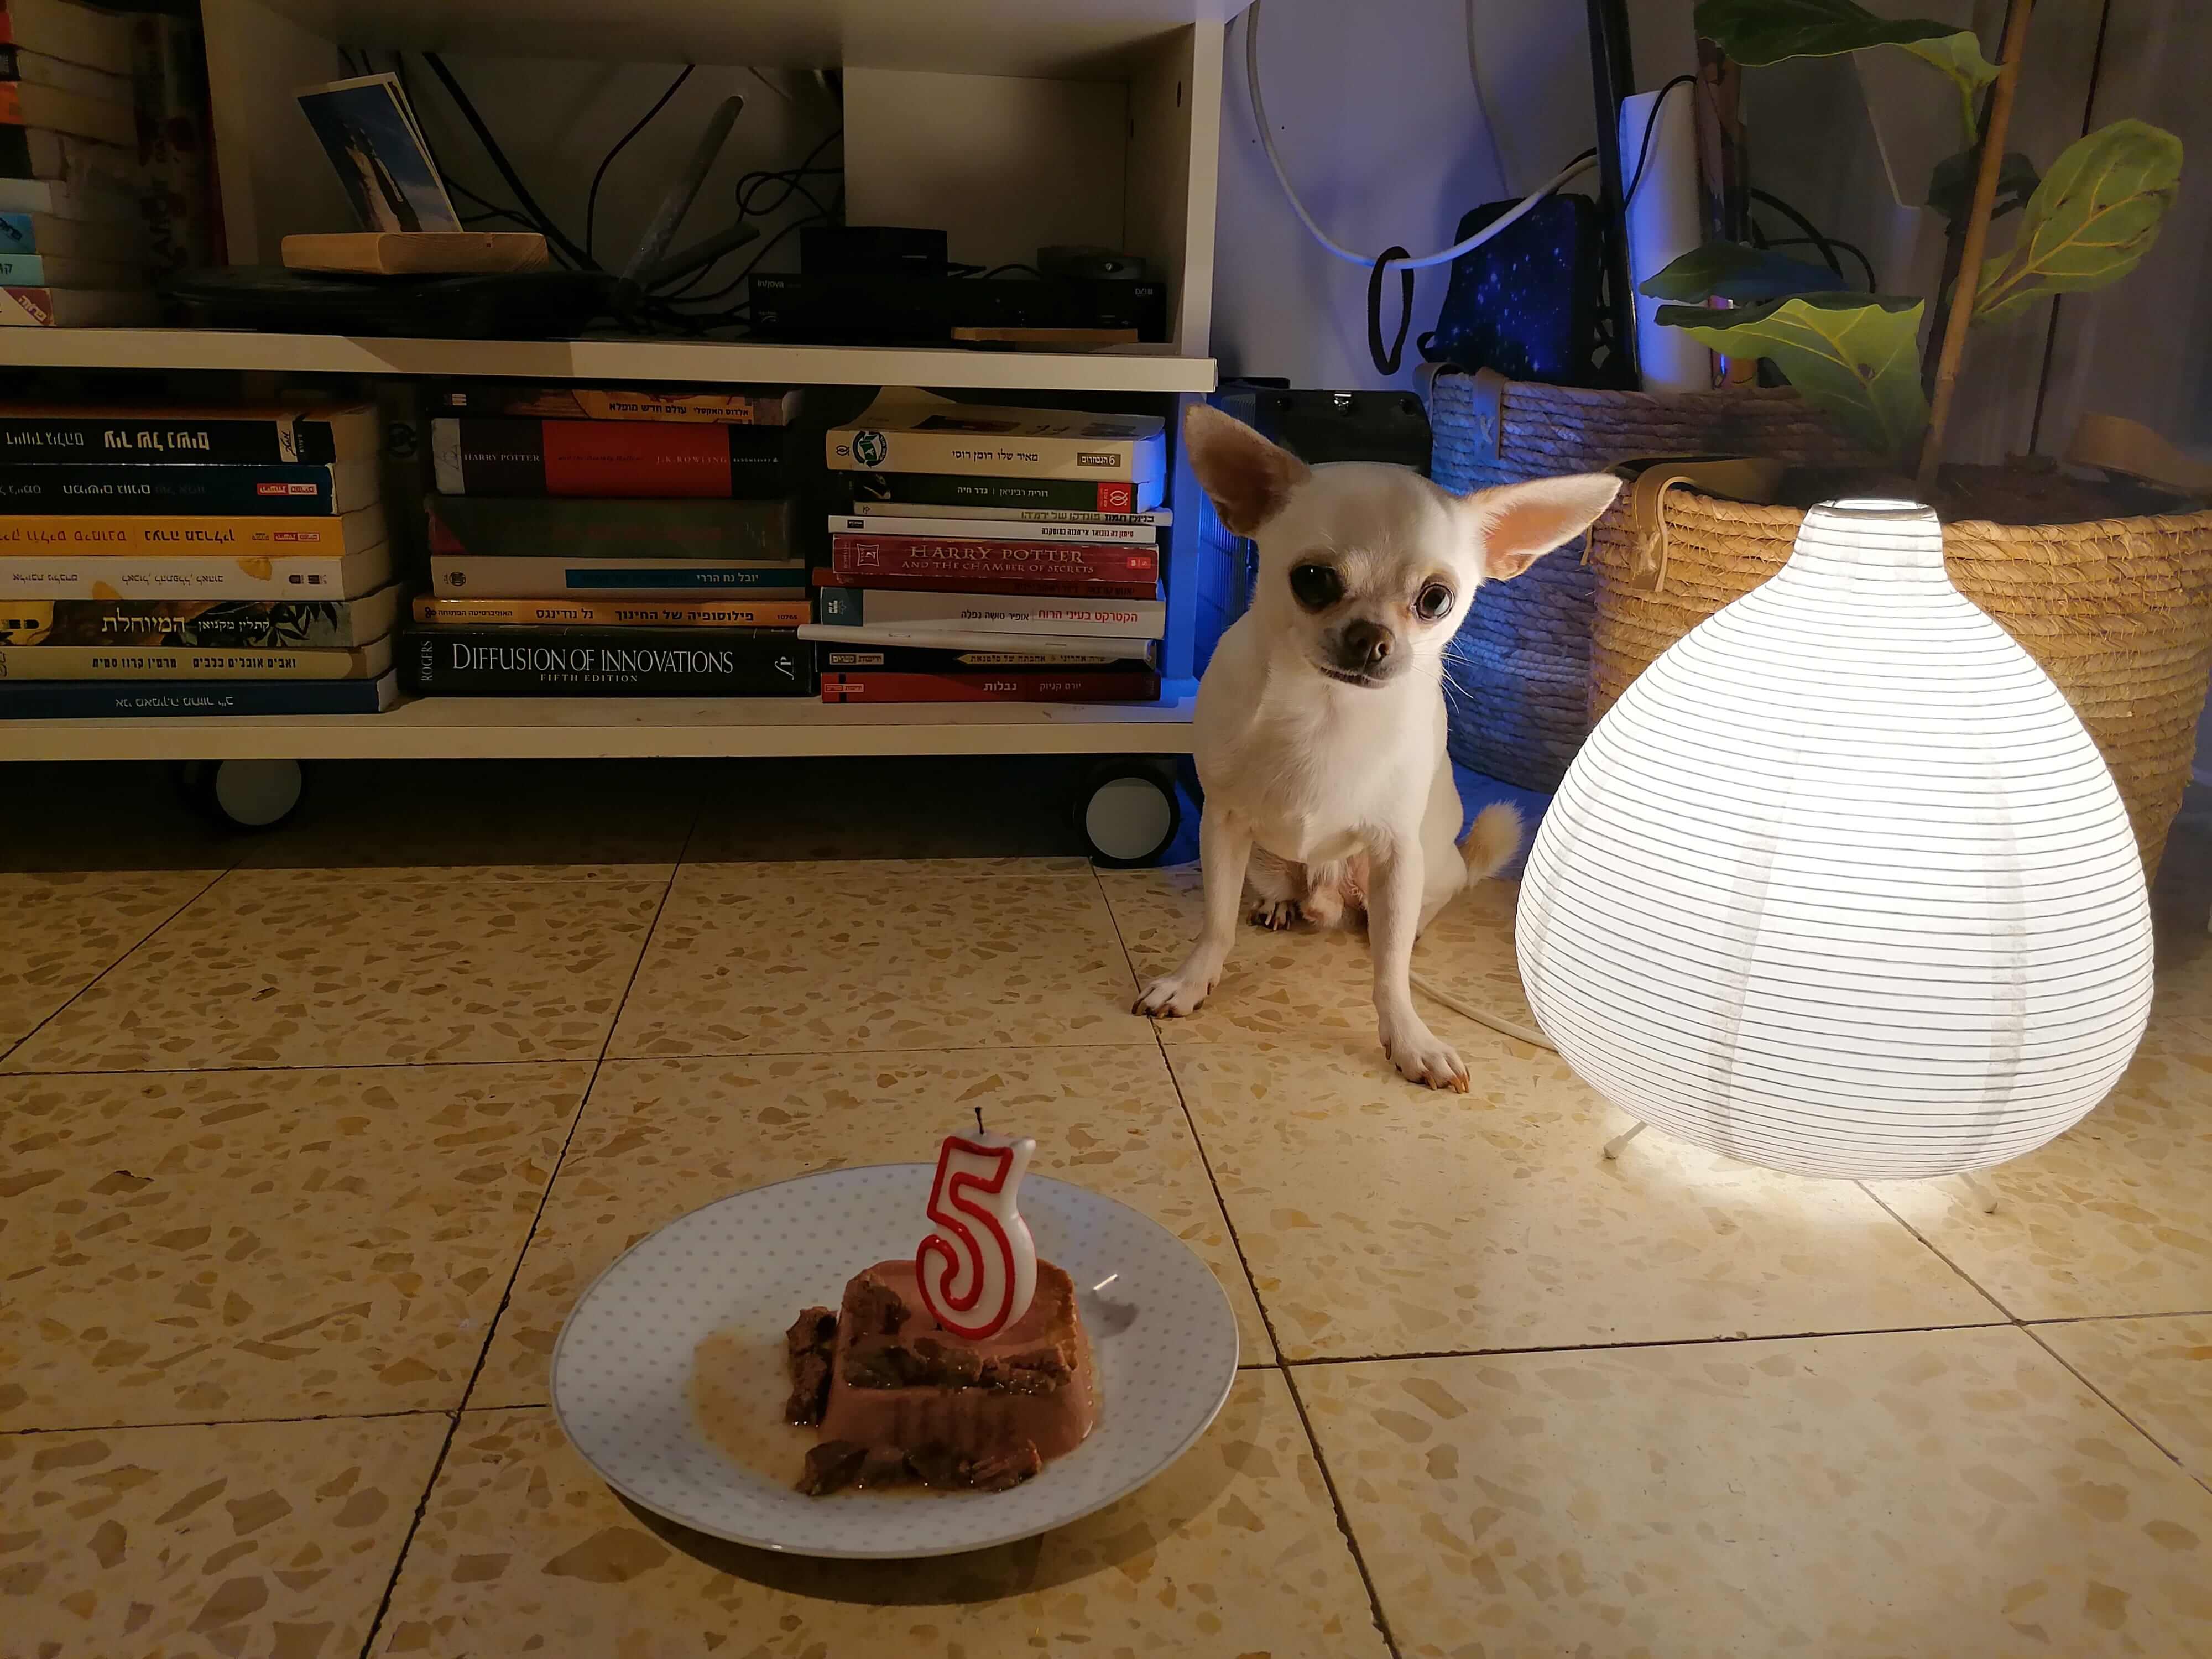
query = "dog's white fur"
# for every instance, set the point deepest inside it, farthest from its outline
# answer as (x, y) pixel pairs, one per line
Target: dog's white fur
(1326, 778)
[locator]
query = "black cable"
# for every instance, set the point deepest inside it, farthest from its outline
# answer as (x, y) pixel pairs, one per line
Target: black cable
(1032, 270)
(748, 208)
(759, 254)
(542, 220)
(592, 200)
(1811, 231)
(1651, 125)
(1874, 284)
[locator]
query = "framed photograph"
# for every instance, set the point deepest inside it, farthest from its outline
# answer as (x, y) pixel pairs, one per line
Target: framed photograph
(371, 136)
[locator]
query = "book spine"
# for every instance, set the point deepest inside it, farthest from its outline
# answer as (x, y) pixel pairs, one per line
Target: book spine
(636, 578)
(253, 624)
(91, 203)
(107, 535)
(1019, 685)
(100, 699)
(61, 271)
(285, 439)
(187, 576)
(935, 511)
(504, 457)
(497, 398)
(943, 490)
(994, 530)
(700, 529)
(612, 613)
(994, 561)
(44, 234)
(257, 491)
(608, 663)
(157, 662)
(919, 660)
(872, 449)
(79, 34)
(967, 584)
(1012, 613)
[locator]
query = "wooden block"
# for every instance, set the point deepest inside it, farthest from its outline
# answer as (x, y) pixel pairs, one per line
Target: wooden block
(417, 252)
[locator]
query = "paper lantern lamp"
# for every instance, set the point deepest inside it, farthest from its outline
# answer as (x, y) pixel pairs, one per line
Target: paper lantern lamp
(1840, 885)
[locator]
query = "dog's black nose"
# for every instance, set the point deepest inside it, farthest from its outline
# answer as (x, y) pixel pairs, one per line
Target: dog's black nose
(1365, 647)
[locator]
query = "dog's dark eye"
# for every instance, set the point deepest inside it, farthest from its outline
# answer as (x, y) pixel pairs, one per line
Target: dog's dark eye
(1316, 587)
(1432, 602)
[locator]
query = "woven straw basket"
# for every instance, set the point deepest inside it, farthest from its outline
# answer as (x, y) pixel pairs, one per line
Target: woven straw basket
(1519, 665)
(2118, 610)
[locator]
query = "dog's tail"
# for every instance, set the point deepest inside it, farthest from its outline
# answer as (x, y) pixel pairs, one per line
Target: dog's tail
(1492, 840)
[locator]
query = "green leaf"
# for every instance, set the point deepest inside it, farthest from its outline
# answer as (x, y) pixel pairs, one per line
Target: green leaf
(1855, 356)
(1756, 32)
(2091, 220)
(1951, 186)
(1730, 270)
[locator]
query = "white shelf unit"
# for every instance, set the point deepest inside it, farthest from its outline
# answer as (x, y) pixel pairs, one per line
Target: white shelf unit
(1024, 123)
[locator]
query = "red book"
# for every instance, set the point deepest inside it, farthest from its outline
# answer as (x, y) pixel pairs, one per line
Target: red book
(1016, 685)
(972, 564)
(496, 456)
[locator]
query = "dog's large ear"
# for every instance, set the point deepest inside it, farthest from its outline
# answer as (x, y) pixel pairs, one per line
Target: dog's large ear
(1248, 478)
(1520, 523)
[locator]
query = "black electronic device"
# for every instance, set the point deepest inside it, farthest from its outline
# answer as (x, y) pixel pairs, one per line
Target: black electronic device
(872, 251)
(1345, 426)
(920, 310)
(516, 304)
(1091, 265)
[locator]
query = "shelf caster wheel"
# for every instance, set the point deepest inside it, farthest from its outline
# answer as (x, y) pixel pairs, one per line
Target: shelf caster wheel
(243, 794)
(1127, 814)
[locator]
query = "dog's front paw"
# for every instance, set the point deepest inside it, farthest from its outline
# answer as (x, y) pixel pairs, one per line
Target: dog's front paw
(1275, 915)
(1423, 1057)
(1176, 996)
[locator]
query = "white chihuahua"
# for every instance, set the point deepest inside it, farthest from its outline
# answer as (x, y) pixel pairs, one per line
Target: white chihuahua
(1320, 732)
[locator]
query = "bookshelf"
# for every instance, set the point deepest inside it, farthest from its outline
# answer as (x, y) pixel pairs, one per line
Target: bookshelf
(985, 92)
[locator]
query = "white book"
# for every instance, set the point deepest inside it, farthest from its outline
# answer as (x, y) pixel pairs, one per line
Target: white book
(967, 638)
(195, 575)
(1156, 516)
(89, 203)
(75, 33)
(990, 529)
(193, 662)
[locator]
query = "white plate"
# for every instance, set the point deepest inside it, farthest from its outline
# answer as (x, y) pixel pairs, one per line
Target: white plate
(1161, 1330)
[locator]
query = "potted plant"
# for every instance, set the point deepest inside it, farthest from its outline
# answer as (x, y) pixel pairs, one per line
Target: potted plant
(2107, 584)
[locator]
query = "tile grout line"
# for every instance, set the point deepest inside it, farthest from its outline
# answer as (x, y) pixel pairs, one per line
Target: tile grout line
(231, 1422)
(553, 1175)
(1632, 1345)
(1930, 1245)
(2112, 1405)
(122, 956)
(1236, 1242)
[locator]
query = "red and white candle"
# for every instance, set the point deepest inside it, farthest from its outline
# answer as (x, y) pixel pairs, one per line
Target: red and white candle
(978, 1273)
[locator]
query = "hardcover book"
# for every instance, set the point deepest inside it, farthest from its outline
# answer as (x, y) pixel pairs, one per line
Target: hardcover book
(170, 662)
(69, 700)
(590, 403)
(942, 637)
(970, 513)
(616, 662)
(279, 433)
(1006, 527)
(1001, 685)
(1005, 613)
(613, 613)
(1043, 495)
(910, 659)
(108, 534)
(569, 527)
(266, 624)
(508, 456)
(635, 578)
(134, 487)
(965, 439)
(995, 561)
(62, 575)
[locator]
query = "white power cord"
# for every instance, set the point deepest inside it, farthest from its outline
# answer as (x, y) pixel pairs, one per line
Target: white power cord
(1444, 256)
(1510, 1028)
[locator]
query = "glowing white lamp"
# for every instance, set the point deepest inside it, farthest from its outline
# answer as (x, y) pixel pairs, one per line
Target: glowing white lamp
(1841, 886)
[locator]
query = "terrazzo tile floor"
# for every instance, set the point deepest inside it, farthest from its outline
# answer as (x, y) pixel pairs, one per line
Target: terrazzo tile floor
(309, 1142)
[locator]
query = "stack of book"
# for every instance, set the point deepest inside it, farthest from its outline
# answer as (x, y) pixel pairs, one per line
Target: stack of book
(170, 560)
(609, 543)
(993, 555)
(72, 233)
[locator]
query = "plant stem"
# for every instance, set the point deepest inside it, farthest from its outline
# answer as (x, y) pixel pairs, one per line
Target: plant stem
(1990, 163)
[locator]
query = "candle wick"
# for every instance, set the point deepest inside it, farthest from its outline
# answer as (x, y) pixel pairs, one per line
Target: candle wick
(979, 1120)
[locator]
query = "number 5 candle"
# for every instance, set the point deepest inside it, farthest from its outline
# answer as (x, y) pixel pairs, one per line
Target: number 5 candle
(978, 1274)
